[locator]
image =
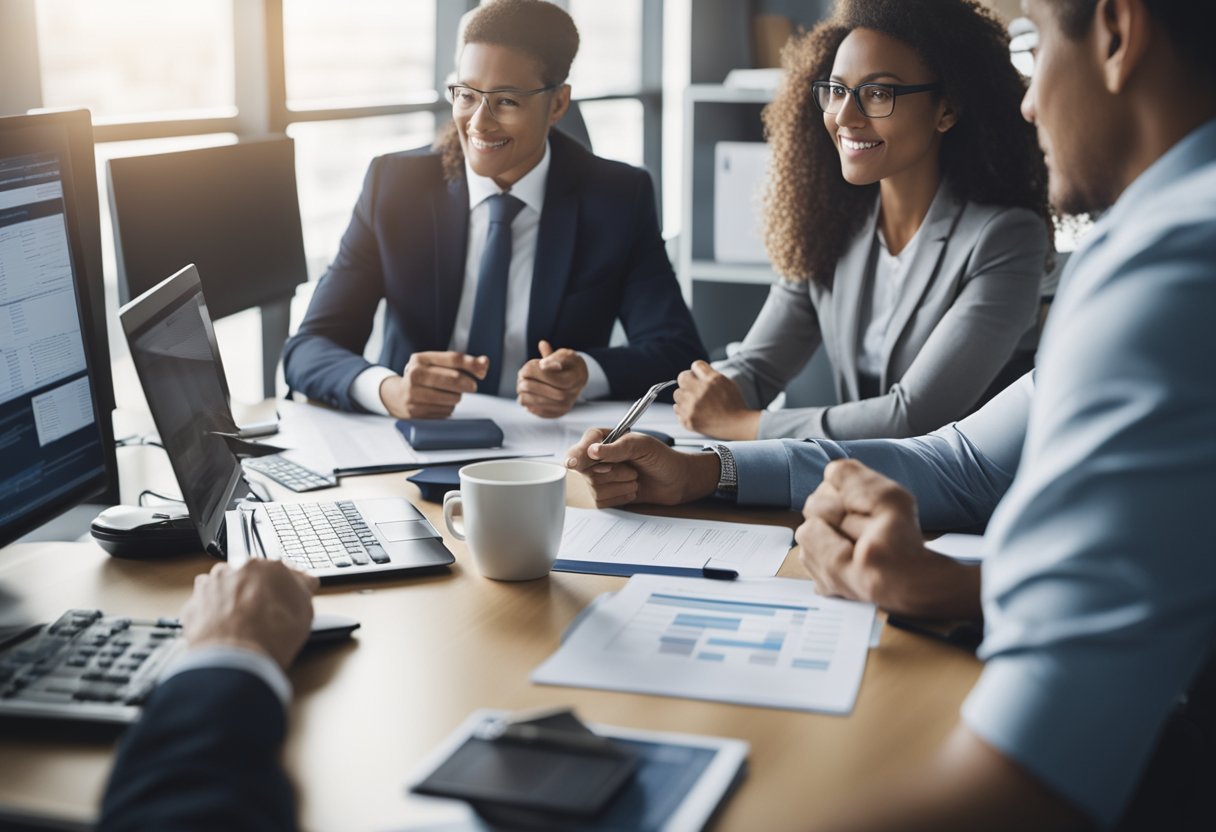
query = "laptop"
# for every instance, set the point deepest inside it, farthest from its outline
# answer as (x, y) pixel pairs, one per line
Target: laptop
(173, 345)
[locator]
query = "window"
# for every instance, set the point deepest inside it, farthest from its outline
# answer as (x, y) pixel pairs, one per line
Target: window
(358, 51)
(331, 159)
(136, 58)
(615, 126)
(610, 46)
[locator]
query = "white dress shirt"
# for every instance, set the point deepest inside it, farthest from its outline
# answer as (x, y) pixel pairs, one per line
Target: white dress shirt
(889, 272)
(235, 658)
(524, 230)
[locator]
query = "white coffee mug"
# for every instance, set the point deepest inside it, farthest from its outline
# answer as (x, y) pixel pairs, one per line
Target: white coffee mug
(512, 512)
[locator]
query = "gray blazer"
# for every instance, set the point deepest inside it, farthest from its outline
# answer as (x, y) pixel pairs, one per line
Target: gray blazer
(970, 294)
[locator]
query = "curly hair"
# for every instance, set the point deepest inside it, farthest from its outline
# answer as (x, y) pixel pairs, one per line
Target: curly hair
(990, 156)
(541, 30)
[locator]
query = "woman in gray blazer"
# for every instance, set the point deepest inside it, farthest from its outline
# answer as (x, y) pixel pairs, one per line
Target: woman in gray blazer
(911, 232)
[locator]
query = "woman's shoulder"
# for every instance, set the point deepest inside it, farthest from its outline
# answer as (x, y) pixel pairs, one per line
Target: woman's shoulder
(1019, 225)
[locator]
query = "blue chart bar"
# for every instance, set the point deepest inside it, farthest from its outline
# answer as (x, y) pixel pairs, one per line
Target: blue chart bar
(708, 622)
(722, 605)
(712, 657)
(770, 644)
(810, 664)
(677, 645)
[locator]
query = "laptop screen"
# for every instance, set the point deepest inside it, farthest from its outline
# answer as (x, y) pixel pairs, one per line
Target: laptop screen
(174, 348)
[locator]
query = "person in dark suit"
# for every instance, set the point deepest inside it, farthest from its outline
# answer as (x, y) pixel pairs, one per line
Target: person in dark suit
(205, 753)
(505, 253)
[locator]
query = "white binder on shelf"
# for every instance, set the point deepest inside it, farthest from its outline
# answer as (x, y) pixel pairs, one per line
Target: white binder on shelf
(740, 175)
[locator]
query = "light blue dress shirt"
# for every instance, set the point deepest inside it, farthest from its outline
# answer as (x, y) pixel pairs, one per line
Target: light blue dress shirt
(958, 473)
(1100, 592)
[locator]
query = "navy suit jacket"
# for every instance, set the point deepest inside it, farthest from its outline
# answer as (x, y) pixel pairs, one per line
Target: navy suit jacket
(599, 257)
(204, 755)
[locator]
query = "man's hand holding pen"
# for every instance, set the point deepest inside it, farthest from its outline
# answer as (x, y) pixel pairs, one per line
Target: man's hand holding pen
(432, 383)
(640, 469)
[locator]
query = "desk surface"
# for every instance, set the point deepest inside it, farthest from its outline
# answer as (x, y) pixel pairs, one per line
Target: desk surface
(435, 648)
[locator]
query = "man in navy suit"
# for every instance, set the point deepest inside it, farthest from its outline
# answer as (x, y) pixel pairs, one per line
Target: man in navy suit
(205, 754)
(505, 253)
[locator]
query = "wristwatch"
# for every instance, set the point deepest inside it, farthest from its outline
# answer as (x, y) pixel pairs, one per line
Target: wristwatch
(728, 479)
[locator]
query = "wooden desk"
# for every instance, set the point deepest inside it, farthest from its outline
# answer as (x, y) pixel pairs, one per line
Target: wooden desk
(433, 649)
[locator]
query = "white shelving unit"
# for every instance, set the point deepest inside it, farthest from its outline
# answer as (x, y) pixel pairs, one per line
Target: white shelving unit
(713, 113)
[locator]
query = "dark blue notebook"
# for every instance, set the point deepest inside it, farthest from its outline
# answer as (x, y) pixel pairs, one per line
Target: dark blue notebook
(450, 434)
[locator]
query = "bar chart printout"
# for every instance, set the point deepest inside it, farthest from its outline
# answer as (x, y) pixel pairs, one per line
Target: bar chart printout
(766, 642)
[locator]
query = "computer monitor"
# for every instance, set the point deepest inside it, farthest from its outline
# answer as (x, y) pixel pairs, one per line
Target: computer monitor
(231, 210)
(56, 437)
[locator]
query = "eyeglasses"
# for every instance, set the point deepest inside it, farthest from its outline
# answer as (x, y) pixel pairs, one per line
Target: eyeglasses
(505, 105)
(873, 100)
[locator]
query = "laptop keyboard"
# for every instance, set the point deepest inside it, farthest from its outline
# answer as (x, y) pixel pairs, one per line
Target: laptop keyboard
(321, 535)
(87, 665)
(291, 474)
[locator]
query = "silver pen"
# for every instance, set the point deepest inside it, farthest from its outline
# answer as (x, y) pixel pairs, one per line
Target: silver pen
(635, 412)
(249, 524)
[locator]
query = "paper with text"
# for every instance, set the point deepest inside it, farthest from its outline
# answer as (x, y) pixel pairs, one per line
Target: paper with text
(622, 539)
(770, 642)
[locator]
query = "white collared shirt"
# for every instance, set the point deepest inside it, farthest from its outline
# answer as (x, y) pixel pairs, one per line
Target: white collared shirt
(889, 273)
(530, 190)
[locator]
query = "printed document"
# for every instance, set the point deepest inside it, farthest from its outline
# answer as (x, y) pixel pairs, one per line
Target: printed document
(771, 642)
(331, 440)
(622, 543)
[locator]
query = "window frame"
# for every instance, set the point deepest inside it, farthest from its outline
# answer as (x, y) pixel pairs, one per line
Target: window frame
(261, 80)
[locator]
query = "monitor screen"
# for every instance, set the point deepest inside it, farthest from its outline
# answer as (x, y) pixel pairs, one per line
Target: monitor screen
(231, 210)
(175, 352)
(54, 449)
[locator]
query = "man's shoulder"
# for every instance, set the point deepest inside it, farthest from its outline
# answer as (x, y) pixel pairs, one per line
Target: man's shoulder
(420, 164)
(586, 169)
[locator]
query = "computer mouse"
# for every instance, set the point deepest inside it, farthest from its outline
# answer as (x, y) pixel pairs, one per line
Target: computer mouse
(145, 532)
(328, 627)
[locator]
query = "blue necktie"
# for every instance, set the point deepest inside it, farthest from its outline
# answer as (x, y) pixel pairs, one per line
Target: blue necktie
(490, 305)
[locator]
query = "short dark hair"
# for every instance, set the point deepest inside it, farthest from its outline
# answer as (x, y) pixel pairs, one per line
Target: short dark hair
(1187, 24)
(538, 28)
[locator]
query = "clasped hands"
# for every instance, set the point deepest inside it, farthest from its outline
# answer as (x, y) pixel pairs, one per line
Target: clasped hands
(859, 539)
(432, 383)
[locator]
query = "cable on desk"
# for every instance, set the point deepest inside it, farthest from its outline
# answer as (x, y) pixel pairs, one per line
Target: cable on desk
(137, 439)
(148, 492)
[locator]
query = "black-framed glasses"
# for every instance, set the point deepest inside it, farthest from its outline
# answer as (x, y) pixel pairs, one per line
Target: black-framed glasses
(873, 100)
(505, 105)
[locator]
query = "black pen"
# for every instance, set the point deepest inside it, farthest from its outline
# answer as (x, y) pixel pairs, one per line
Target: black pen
(964, 636)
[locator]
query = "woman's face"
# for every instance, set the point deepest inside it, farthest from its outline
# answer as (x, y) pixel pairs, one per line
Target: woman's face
(908, 140)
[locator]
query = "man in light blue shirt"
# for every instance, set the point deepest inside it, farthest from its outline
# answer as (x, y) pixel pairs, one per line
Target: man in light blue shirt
(1100, 593)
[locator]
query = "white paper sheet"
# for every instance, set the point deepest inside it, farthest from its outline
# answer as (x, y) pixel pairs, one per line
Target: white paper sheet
(622, 543)
(965, 548)
(327, 440)
(770, 642)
